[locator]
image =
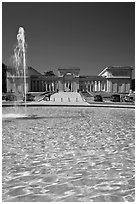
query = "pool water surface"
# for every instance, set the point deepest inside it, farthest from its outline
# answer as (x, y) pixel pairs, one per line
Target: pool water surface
(69, 154)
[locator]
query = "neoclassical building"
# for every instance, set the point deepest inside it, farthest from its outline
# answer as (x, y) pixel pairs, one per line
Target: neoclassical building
(114, 79)
(118, 79)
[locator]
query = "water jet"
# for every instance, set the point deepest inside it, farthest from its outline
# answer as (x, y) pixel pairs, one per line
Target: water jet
(18, 75)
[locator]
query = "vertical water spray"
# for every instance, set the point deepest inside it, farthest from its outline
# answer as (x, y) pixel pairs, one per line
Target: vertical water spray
(20, 58)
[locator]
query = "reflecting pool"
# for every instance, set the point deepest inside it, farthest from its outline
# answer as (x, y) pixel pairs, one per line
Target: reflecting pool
(69, 154)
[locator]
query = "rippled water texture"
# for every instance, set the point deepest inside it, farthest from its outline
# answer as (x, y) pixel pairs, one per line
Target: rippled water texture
(69, 154)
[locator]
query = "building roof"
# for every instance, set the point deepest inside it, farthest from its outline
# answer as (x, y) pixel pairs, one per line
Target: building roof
(91, 78)
(115, 67)
(43, 77)
(33, 71)
(120, 67)
(71, 68)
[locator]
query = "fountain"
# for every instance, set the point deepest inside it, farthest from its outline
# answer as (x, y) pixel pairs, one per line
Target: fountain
(18, 74)
(20, 58)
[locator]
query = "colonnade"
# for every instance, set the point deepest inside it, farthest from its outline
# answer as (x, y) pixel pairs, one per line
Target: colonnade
(93, 86)
(119, 87)
(42, 85)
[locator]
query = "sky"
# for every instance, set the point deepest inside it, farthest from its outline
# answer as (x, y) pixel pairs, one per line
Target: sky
(87, 35)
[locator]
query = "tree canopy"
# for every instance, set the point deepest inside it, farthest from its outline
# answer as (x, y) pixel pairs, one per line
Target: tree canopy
(49, 73)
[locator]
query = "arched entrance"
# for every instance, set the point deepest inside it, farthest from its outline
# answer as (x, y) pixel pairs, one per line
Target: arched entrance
(68, 79)
(68, 82)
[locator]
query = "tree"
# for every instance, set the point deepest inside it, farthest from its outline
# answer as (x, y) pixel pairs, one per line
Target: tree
(4, 84)
(49, 73)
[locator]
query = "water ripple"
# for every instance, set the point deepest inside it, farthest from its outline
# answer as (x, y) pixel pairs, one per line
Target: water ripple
(83, 156)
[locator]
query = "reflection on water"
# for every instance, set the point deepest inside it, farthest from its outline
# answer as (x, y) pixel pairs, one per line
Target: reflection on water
(69, 154)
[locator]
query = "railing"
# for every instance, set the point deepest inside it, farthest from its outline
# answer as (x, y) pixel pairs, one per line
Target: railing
(87, 96)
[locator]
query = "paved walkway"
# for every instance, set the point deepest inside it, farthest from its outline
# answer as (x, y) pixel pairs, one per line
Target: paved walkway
(70, 104)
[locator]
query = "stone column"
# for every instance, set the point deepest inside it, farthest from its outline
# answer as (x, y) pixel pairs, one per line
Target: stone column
(40, 85)
(86, 86)
(52, 86)
(77, 86)
(127, 87)
(116, 87)
(65, 86)
(34, 85)
(37, 86)
(107, 86)
(90, 87)
(31, 85)
(95, 85)
(49, 86)
(99, 86)
(43, 82)
(60, 85)
(110, 86)
(123, 88)
(45, 85)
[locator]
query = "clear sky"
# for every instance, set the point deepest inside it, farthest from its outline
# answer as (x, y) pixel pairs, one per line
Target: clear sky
(90, 35)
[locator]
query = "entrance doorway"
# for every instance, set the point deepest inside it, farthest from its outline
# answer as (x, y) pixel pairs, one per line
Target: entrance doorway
(68, 86)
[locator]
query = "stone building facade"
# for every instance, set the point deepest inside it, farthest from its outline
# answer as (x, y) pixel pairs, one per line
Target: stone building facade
(111, 79)
(118, 79)
(68, 79)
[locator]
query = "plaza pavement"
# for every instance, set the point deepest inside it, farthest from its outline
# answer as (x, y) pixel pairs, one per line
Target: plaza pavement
(70, 104)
